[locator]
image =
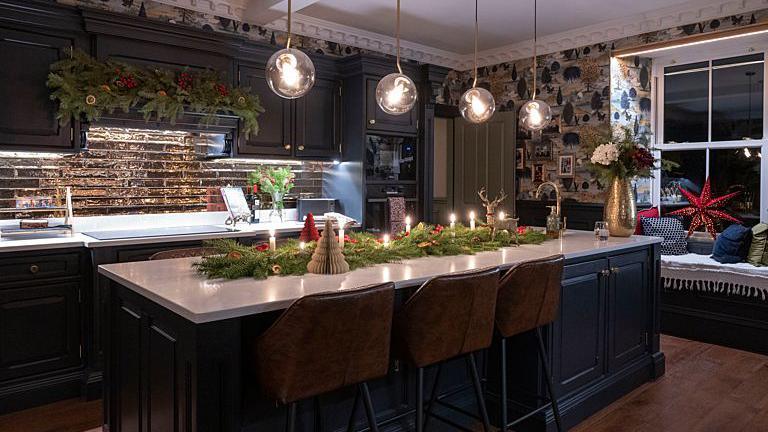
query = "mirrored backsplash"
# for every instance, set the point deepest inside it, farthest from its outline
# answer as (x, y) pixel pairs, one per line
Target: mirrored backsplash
(130, 171)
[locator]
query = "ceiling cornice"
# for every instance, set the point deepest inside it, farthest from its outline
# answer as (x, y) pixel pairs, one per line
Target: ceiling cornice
(660, 19)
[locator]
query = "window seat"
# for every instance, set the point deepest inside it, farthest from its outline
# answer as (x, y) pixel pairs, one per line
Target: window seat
(702, 273)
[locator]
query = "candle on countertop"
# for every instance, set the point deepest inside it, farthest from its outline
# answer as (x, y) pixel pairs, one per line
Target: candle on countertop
(472, 220)
(502, 215)
(302, 245)
(272, 240)
(341, 237)
(386, 239)
(407, 224)
(453, 221)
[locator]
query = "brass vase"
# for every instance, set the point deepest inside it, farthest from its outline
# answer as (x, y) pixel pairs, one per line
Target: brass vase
(620, 208)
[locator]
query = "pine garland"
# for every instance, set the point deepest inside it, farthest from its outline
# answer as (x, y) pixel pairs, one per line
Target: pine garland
(360, 249)
(87, 88)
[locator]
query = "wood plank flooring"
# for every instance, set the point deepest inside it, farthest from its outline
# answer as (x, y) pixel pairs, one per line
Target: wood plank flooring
(706, 388)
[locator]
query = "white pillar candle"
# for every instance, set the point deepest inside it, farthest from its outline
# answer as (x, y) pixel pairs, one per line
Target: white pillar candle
(302, 245)
(453, 225)
(472, 220)
(407, 224)
(386, 239)
(341, 237)
(502, 215)
(272, 240)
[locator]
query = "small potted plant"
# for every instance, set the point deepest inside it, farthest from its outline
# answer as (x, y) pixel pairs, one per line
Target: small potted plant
(276, 181)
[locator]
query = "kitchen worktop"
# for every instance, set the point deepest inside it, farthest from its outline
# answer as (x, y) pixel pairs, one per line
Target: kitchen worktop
(176, 285)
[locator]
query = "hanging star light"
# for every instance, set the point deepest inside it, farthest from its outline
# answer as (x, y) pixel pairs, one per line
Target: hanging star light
(705, 210)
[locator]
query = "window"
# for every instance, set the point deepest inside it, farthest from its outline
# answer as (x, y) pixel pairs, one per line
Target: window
(710, 125)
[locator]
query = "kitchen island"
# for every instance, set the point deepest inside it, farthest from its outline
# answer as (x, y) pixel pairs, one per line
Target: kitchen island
(177, 344)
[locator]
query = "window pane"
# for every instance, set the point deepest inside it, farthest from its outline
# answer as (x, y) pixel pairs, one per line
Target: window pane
(737, 102)
(689, 173)
(732, 170)
(686, 116)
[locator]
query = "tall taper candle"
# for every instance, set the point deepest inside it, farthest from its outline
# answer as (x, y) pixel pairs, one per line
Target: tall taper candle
(472, 220)
(385, 240)
(272, 240)
(341, 237)
(407, 224)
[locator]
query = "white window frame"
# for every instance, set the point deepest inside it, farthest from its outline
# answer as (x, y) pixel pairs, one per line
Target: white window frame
(657, 117)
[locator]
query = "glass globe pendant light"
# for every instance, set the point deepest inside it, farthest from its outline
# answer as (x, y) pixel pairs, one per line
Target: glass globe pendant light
(535, 114)
(476, 104)
(290, 73)
(396, 93)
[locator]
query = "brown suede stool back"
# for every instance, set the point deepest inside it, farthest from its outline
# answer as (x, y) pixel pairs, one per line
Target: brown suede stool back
(448, 316)
(325, 342)
(529, 296)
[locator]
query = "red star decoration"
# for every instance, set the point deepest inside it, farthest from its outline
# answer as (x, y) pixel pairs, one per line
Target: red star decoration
(705, 210)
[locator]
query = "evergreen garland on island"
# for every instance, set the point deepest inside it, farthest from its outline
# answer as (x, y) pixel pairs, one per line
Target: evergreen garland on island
(86, 88)
(235, 260)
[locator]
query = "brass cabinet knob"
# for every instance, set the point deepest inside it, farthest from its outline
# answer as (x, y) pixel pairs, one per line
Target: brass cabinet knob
(614, 269)
(605, 272)
(34, 269)
(287, 146)
(301, 148)
(372, 121)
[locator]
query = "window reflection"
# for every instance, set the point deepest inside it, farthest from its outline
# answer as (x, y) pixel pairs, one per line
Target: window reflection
(737, 99)
(686, 104)
(732, 170)
(689, 174)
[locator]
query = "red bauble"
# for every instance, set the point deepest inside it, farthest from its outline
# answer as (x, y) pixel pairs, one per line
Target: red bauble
(309, 232)
(705, 210)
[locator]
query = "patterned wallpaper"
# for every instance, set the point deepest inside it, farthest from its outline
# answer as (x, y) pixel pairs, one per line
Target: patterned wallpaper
(137, 171)
(586, 89)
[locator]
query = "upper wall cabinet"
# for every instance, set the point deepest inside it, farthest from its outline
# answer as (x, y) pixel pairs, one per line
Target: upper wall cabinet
(378, 120)
(318, 121)
(275, 123)
(27, 114)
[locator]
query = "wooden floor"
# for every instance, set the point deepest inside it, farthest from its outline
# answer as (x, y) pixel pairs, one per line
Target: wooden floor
(706, 388)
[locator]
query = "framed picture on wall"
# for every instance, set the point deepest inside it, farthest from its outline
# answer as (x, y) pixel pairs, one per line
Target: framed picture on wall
(542, 150)
(520, 158)
(565, 166)
(537, 171)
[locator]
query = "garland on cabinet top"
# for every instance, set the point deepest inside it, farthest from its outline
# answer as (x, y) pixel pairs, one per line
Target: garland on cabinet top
(87, 88)
(234, 260)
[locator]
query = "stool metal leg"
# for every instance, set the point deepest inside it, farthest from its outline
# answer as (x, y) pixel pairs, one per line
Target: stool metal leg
(420, 401)
(433, 396)
(479, 392)
(351, 424)
(503, 401)
(290, 423)
(318, 414)
(550, 386)
(368, 407)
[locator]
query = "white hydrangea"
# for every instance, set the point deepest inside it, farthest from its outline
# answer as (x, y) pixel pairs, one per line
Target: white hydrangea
(605, 154)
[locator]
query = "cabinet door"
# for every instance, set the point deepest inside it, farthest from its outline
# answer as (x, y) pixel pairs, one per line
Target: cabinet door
(318, 121)
(627, 308)
(39, 329)
(27, 114)
(578, 333)
(274, 137)
(378, 120)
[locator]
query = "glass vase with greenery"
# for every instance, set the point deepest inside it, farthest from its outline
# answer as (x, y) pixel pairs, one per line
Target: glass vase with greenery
(277, 182)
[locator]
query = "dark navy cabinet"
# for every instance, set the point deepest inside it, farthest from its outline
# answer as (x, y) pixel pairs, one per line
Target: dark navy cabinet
(318, 121)
(627, 309)
(275, 123)
(378, 120)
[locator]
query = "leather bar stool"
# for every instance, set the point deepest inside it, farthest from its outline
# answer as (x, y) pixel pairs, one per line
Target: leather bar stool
(325, 342)
(447, 317)
(529, 297)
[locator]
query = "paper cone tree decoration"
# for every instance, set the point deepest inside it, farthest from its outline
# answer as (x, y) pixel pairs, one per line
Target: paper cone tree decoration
(328, 258)
(309, 232)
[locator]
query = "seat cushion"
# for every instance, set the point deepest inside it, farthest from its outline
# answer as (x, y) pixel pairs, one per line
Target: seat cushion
(732, 244)
(758, 250)
(671, 230)
(652, 212)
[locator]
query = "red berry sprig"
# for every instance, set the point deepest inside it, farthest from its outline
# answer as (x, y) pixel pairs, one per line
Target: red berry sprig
(184, 81)
(222, 89)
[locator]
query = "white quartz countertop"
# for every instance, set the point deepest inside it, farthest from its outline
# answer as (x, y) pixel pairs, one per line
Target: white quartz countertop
(176, 285)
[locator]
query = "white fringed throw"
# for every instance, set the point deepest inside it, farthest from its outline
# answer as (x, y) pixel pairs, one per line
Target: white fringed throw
(702, 273)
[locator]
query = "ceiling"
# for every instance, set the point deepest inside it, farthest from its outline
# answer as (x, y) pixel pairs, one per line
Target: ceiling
(441, 31)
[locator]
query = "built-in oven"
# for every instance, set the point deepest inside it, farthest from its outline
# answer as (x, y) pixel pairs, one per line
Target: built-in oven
(390, 158)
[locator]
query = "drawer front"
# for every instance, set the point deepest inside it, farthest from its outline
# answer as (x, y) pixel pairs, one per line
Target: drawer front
(38, 267)
(391, 190)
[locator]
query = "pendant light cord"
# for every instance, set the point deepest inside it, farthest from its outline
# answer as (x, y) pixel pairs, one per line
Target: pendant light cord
(474, 82)
(288, 43)
(535, 32)
(397, 38)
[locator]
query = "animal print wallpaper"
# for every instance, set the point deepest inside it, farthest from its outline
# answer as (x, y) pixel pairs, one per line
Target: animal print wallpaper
(586, 89)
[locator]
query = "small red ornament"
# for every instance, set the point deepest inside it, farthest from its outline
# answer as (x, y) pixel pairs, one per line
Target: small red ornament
(309, 232)
(522, 229)
(705, 210)
(261, 247)
(184, 81)
(222, 89)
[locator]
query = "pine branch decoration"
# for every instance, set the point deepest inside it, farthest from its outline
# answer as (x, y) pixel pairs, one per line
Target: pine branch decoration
(86, 88)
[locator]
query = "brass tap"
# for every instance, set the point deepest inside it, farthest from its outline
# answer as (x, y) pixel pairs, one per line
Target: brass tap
(558, 196)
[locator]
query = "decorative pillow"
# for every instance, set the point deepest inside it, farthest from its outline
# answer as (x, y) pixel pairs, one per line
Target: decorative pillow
(652, 212)
(732, 244)
(671, 230)
(758, 252)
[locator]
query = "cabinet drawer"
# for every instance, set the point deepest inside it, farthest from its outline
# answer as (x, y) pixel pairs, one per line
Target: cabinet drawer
(585, 268)
(38, 267)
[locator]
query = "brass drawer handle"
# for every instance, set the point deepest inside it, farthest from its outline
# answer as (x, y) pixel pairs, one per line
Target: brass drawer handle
(301, 148)
(287, 146)
(605, 272)
(614, 269)
(34, 269)
(372, 121)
